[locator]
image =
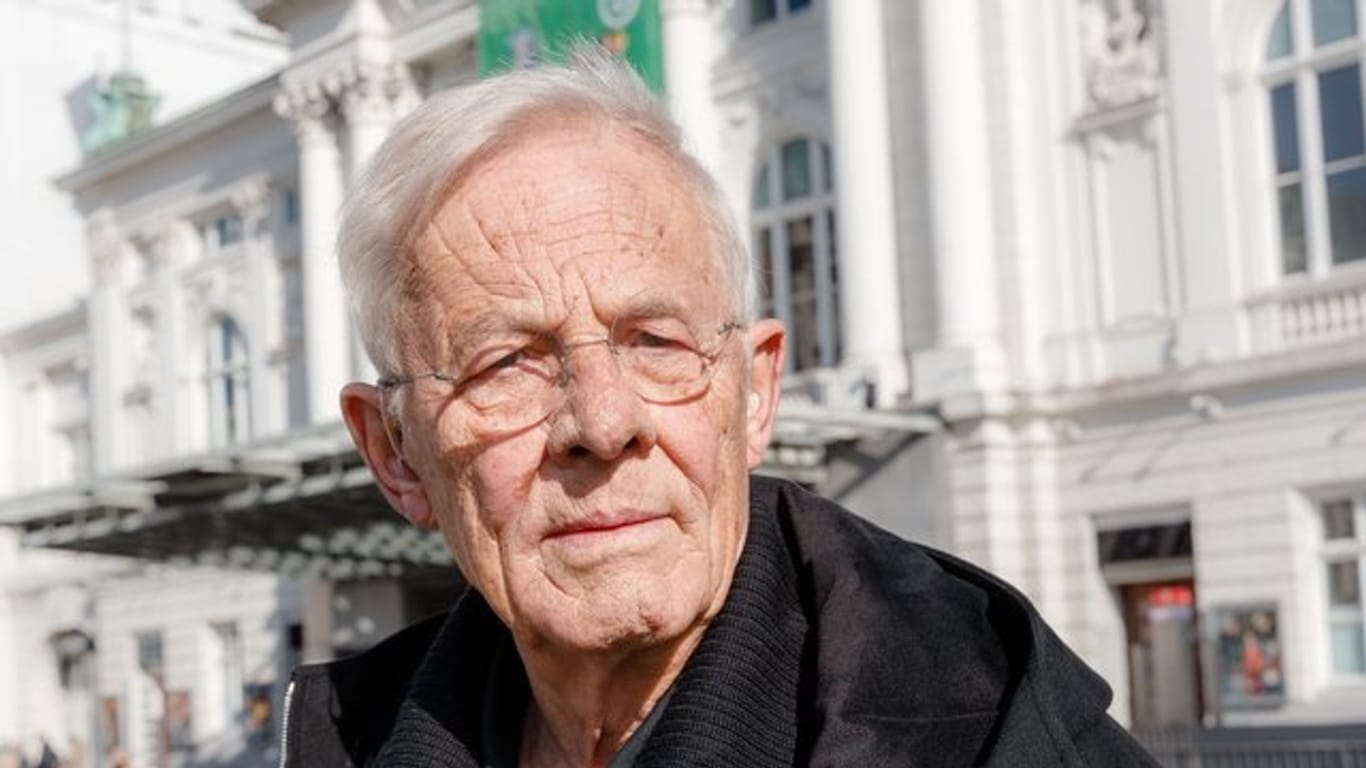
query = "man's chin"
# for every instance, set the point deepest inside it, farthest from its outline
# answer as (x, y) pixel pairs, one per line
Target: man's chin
(614, 630)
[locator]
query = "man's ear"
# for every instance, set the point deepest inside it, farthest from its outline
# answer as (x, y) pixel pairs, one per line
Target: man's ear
(379, 440)
(767, 344)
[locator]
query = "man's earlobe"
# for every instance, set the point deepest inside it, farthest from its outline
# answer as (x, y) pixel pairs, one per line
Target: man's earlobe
(380, 444)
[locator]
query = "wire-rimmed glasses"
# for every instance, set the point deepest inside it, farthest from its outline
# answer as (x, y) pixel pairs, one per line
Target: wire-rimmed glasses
(511, 384)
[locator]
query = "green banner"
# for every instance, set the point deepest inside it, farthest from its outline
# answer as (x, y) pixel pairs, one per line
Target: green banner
(522, 33)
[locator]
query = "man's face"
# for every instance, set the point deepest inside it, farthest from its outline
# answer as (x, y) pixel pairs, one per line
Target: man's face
(615, 521)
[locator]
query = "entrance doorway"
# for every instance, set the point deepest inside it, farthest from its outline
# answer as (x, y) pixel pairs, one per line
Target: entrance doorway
(1162, 635)
(1150, 569)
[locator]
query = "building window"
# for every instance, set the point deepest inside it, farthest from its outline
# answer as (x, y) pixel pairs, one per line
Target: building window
(291, 208)
(1343, 523)
(221, 233)
(1314, 57)
(794, 238)
(761, 11)
(150, 656)
(227, 383)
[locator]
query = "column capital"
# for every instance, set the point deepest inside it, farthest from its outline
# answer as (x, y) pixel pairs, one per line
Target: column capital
(158, 241)
(105, 242)
(371, 90)
(306, 105)
(361, 90)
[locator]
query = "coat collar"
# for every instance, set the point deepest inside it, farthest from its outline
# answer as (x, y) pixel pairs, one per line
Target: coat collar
(735, 703)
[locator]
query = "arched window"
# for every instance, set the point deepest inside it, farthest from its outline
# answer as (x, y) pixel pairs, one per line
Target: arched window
(226, 377)
(1313, 77)
(794, 240)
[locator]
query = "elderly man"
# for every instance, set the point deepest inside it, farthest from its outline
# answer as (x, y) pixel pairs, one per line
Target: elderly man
(574, 390)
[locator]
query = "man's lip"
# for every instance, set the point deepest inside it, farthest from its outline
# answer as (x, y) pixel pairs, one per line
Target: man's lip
(605, 523)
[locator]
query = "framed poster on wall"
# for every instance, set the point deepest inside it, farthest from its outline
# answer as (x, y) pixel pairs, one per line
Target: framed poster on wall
(1249, 671)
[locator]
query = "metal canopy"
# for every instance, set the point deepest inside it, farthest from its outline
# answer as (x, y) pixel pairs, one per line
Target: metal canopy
(306, 504)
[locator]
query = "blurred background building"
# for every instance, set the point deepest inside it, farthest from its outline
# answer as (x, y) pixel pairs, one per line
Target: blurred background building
(1076, 289)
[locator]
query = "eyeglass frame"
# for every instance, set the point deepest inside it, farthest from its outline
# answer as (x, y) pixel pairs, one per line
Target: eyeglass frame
(563, 374)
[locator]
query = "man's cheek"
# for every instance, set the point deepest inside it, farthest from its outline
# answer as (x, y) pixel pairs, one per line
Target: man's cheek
(502, 490)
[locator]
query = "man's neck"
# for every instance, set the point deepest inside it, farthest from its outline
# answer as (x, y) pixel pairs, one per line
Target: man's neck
(581, 713)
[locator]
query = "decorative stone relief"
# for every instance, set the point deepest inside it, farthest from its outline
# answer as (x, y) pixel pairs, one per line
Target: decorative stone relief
(1121, 44)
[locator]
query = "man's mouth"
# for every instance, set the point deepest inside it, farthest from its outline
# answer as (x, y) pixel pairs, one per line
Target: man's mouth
(607, 522)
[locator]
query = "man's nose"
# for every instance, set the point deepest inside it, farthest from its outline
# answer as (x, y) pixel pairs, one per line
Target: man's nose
(601, 415)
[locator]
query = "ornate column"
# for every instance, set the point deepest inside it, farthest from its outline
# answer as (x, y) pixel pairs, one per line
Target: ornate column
(688, 57)
(107, 321)
(867, 243)
(326, 353)
(251, 200)
(966, 359)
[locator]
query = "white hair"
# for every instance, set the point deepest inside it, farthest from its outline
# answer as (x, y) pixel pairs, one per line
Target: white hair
(407, 179)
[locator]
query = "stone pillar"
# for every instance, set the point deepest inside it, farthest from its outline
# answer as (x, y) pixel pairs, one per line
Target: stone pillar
(108, 321)
(367, 95)
(867, 245)
(326, 353)
(166, 246)
(251, 200)
(966, 359)
(688, 56)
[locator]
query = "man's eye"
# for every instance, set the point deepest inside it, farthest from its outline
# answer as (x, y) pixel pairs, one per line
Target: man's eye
(509, 360)
(654, 341)
(500, 364)
(657, 339)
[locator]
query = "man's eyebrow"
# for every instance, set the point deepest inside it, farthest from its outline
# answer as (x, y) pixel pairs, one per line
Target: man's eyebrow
(654, 305)
(482, 325)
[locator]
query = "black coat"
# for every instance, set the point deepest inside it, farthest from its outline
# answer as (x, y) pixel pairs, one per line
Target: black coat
(839, 645)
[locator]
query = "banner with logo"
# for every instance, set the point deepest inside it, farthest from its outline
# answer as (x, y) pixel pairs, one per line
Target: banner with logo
(523, 33)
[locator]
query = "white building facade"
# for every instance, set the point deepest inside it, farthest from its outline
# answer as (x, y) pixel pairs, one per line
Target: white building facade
(1075, 289)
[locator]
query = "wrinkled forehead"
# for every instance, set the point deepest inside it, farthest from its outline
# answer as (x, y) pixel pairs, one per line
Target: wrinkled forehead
(563, 216)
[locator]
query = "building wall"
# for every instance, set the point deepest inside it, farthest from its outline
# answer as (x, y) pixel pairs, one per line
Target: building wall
(54, 53)
(183, 607)
(1121, 345)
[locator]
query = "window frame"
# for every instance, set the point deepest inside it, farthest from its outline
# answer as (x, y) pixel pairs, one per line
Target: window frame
(1331, 551)
(227, 382)
(1302, 68)
(820, 205)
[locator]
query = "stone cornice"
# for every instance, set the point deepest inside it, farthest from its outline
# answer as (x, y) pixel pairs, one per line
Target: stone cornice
(66, 324)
